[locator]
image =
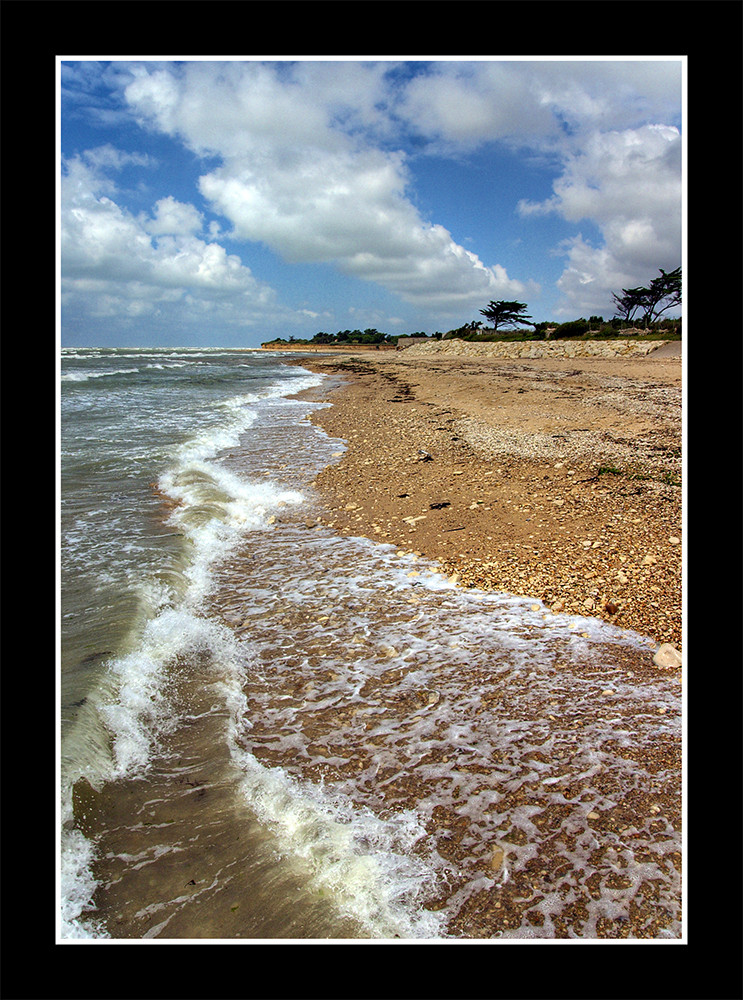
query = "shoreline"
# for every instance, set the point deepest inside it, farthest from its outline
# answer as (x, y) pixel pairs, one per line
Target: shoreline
(557, 479)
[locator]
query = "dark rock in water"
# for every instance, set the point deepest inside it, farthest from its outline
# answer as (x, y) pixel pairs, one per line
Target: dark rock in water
(92, 657)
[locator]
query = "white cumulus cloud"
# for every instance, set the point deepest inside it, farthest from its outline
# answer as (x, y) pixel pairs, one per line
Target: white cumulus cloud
(114, 262)
(604, 125)
(296, 176)
(174, 217)
(629, 184)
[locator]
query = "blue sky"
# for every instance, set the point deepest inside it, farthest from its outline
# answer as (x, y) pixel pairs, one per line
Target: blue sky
(225, 203)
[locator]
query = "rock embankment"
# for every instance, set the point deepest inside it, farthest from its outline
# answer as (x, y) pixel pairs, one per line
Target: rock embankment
(537, 348)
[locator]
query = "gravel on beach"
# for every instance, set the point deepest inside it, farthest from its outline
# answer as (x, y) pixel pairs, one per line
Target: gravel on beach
(552, 478)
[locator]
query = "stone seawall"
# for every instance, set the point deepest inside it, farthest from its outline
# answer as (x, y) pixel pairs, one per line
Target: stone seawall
(537, 348)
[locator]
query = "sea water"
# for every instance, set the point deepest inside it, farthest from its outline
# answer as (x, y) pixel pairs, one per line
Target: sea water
(270, 731)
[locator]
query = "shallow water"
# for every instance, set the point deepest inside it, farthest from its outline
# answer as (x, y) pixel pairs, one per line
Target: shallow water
(272, 731)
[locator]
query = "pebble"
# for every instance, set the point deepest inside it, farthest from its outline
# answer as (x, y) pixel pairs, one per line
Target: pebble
(496, 858)
(667, 657)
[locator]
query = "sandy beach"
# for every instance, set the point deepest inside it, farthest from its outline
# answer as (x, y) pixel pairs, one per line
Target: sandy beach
(552, 478)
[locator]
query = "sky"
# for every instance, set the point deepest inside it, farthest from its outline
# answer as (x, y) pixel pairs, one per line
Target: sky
(225, 203)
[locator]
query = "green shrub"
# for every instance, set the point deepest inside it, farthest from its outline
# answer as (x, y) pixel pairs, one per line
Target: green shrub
(575, 328)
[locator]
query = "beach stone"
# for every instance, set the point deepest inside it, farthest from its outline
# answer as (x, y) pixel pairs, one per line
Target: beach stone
(667, 657)
(497, 858)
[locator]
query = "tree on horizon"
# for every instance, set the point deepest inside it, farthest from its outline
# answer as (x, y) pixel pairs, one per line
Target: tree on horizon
(661, 295)
(502, 313)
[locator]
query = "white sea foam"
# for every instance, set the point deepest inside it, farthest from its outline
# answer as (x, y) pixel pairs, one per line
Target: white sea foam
(364, 864)
(215, 507)
(87, 376)
(134, 705)
(77, 886)
(117, 731)
(384, 630)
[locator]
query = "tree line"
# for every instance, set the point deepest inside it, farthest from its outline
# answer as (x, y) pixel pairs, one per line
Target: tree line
(650, 303)
(368, 336)
(644, 305)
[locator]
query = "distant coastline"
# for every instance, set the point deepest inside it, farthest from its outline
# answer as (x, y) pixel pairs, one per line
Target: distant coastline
(279, 345)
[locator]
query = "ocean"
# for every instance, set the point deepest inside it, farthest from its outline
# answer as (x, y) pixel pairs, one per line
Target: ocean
(271, 731)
